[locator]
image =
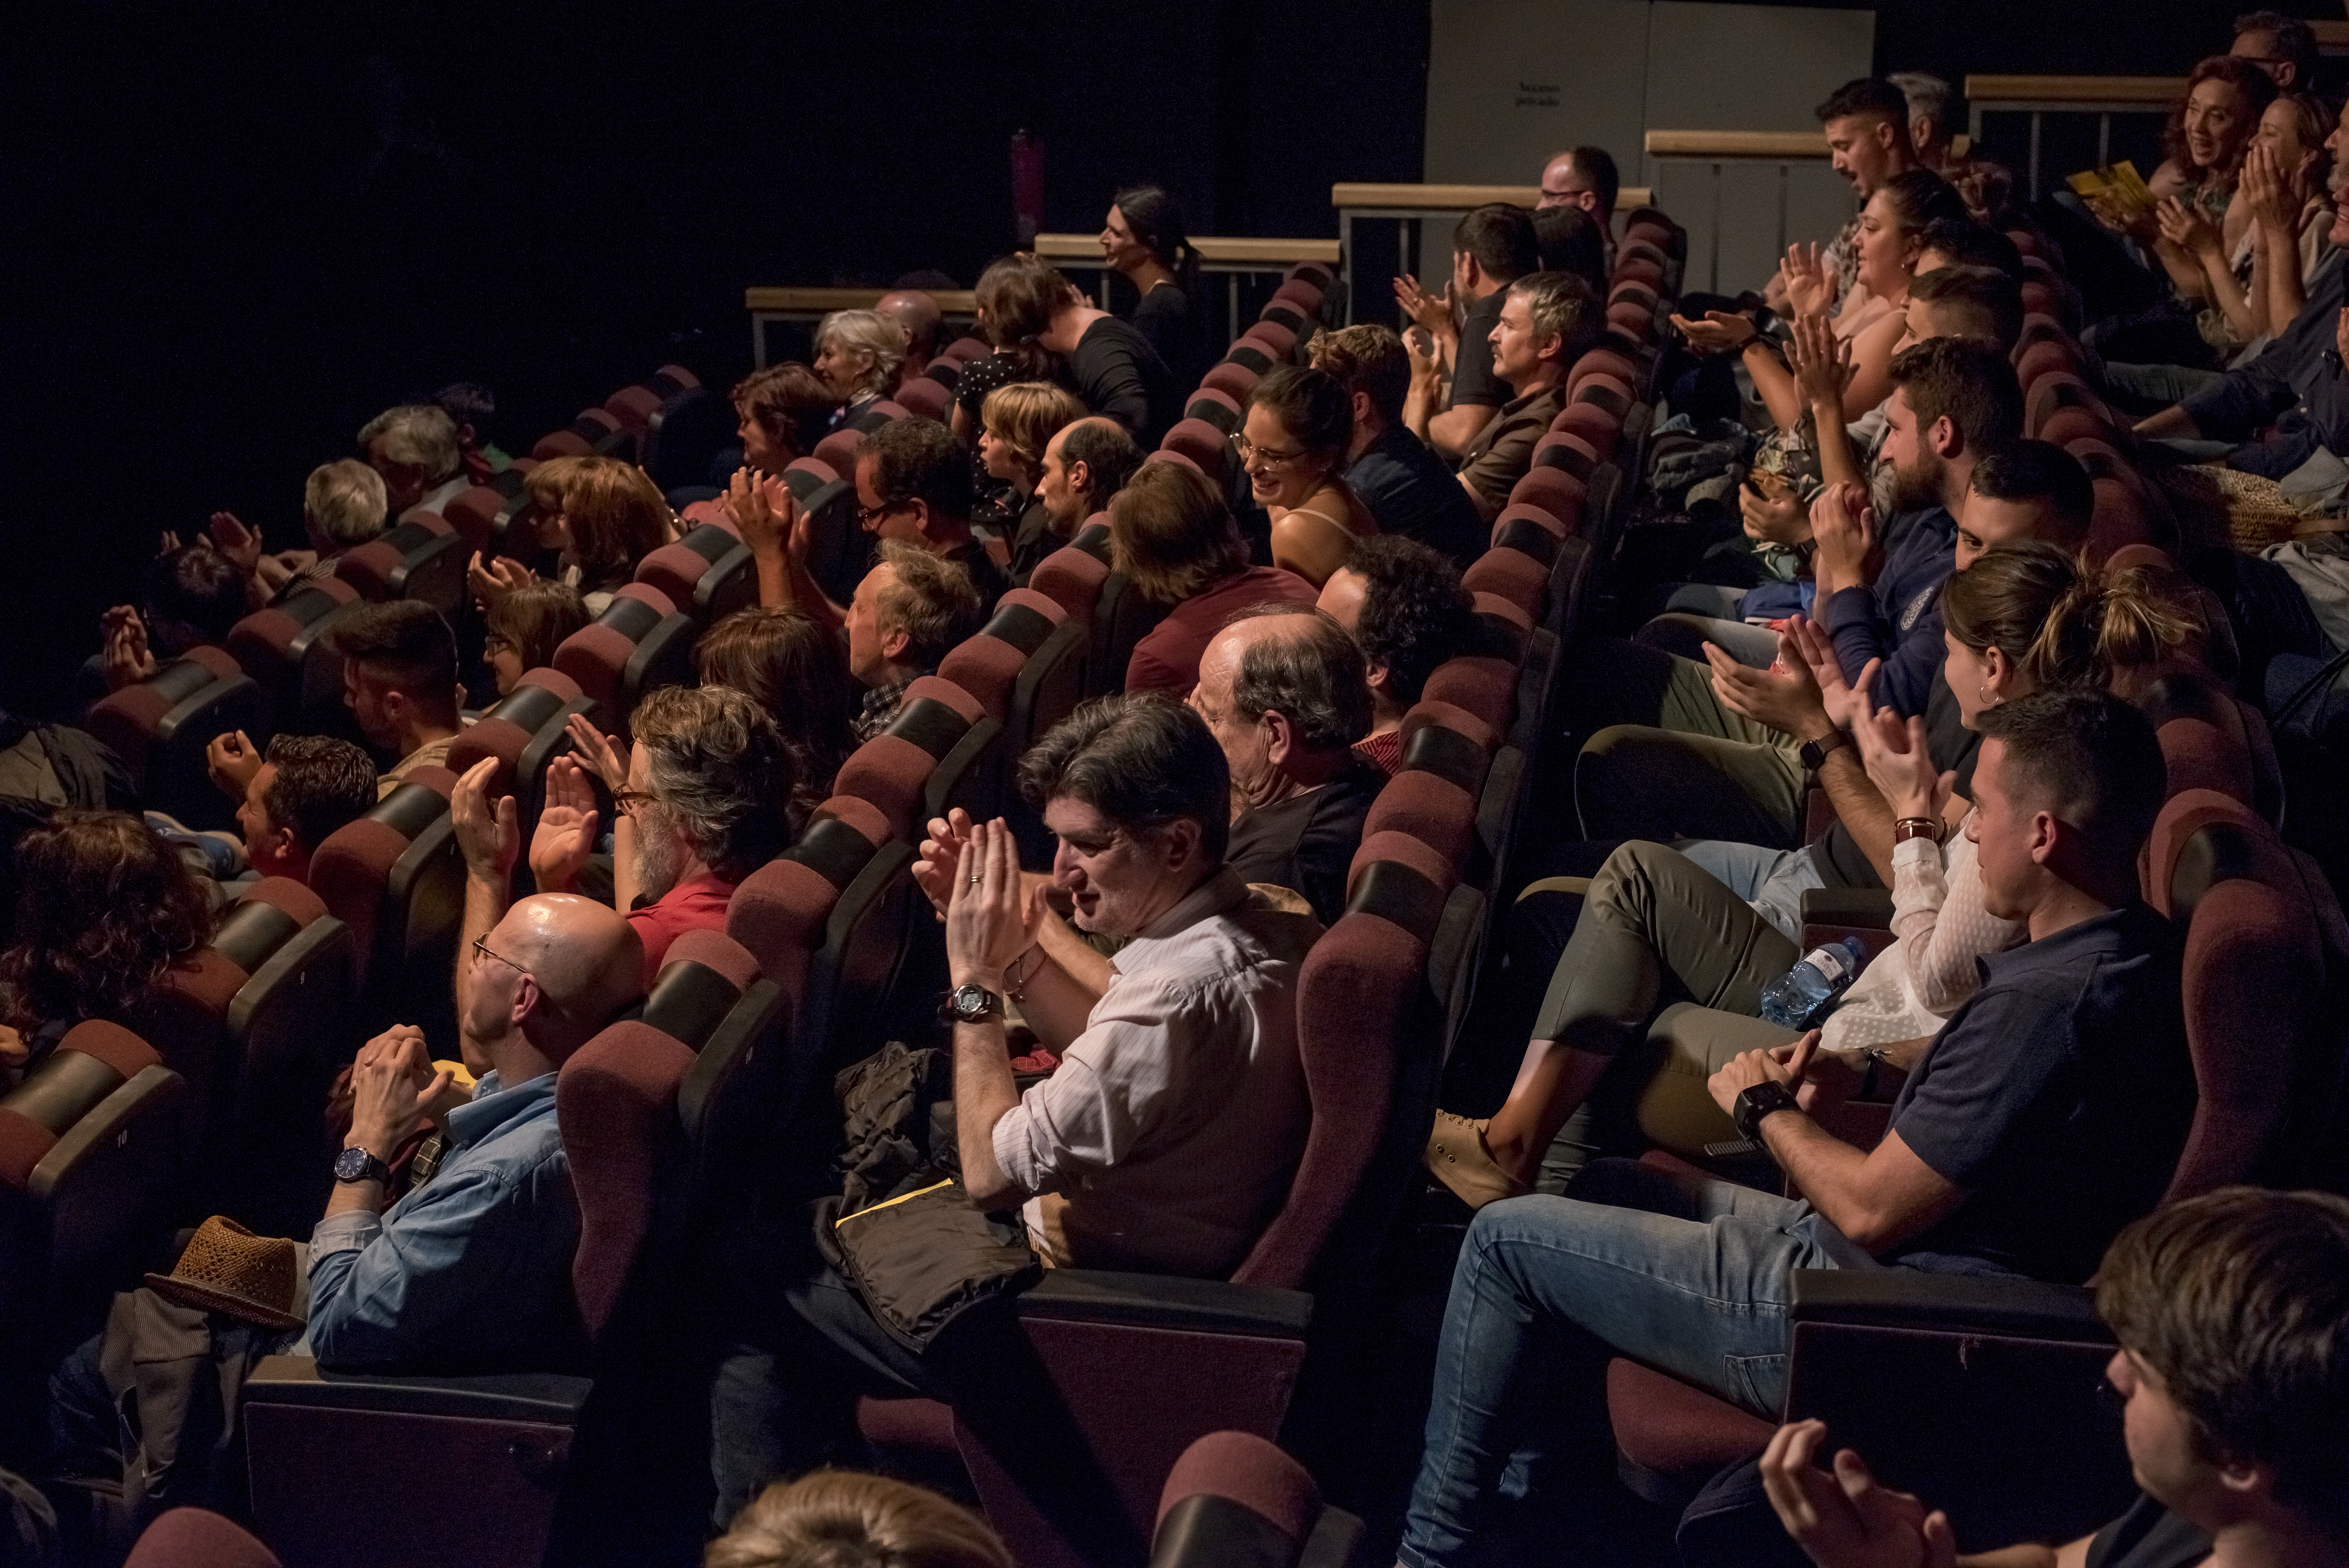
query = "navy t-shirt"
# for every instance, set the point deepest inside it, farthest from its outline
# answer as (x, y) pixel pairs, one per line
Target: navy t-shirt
(1414, 492)
(2058, 1098)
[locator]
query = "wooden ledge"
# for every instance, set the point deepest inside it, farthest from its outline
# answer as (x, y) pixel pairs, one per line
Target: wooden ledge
(1460, 198)
(1224, 248)
(1987, 92)
(780, 301)
(1779, 145)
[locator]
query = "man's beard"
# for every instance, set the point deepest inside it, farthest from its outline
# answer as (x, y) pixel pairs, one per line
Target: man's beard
(660, 853)
(1893, 490)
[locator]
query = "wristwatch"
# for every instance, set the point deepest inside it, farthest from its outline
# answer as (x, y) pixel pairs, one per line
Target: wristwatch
(1815, 752)
(1761, 1100)
(356, 1164)
(970, 1005)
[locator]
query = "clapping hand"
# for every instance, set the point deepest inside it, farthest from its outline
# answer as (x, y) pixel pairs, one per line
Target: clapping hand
(766, 513)
(233, 539)
(492, 578)
(489, 837)
(1841, 699)
(992, 915)
(1721, 332)
(1895, 754)
(1785, 1066)
(1783, 696)
(2263, 187)
(1771, 512)
(1848, 1520)
(597, 752)
(1810, 287)
(128, 656)
(1433, 312)
(1821, 362)
(1843, 525)
(395, 1089)
(233, 760)
(566, 828)
(2186, 227)
(938, 862)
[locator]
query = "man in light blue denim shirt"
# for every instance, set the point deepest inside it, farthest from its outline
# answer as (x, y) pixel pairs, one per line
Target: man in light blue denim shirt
(472, 1269)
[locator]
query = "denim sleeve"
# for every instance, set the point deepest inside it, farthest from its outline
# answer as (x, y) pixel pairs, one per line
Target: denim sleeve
(393, 1297)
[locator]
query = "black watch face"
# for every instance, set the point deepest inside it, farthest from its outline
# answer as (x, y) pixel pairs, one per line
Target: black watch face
(353, 1164)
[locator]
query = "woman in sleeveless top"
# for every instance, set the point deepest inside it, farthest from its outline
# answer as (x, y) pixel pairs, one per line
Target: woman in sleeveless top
(1293, 447)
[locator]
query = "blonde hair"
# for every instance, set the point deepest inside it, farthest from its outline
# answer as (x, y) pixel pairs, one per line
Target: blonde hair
(416, 436)
(348, 501)
(866, 331)
(1025, 416)
(840, 1519)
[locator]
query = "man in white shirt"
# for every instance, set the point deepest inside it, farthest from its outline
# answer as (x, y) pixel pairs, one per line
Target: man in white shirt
(1166, 1140)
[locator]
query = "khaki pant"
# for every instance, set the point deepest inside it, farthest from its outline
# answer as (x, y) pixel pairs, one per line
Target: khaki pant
(1683, 766)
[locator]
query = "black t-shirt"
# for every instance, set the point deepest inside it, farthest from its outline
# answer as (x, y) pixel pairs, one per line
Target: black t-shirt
(1473, 381)
(1954, 748)
(1177, 329)
(984, 575)
(2148, 1536)
(1032, 539)
(1118, 374)
(2058, 1098)
(1307, 844)
(1412, 491)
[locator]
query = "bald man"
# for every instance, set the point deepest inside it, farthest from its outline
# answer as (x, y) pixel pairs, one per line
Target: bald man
(919, 315)
(1287, 694)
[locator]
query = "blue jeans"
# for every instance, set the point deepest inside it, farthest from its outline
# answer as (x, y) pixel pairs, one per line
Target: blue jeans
(1772, 880)
(1689, 1277)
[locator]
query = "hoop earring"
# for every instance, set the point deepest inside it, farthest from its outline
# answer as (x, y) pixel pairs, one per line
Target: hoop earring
(1981, 695)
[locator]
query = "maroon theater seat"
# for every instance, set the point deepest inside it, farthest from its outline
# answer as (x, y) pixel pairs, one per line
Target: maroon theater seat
(160, 726)
(1216, 407)
(1599, 431)
(527, 729)
(1312, 273)
(1233, 381)
(1569, 452)
(423, 559)
(840, 552)
(1603, 362)
(395, 879)
(1633, 322)
(1551, 489)
(595, 433)
(1072, 578)
(1253, 356)
(926, 398)
(707, 574)
(1611, 394)
(1510, 573)
(969, 348)
(1276, 340)
(902, 770)
(838, 452)
(1026, 667)
(1485, 687)
(1209, 448)
(639, 644)
(287, 650)
(1234, 1497)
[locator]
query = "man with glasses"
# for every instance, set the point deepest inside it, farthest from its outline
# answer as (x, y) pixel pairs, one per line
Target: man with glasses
(1584, 177)
(913, 486)
(472, 1270)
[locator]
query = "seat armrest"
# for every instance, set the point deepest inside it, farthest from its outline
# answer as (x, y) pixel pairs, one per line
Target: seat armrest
(1867, 906)
(1165, 1301)
(2004, 1305)
(545, 1397)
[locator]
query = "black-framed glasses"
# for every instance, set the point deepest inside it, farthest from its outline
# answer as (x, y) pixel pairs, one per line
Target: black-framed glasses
(865, 514)
(482, 950)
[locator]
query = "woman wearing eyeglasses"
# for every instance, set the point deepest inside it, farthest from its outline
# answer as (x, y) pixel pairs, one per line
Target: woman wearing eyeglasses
(1293, 447)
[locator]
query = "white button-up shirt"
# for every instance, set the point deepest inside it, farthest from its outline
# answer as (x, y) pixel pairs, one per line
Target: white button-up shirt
(1175, 1120)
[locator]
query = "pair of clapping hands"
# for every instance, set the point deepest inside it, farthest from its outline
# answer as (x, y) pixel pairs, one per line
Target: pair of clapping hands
(993, 911)
(395, 1090)
(489, 836)
(1804, 691)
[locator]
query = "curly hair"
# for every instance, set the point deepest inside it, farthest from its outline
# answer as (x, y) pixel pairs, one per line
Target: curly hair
(717, 761)
(1415, 613)
(103, 908)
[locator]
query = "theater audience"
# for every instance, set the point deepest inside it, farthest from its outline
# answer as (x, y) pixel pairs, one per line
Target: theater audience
(104, 907)
(471, 405)
(790, 665)
(603, 516)
(1085, 464)
(525, 625)
(414, 447)
(1933, 113)
(1404, 607)
(857, 353)
(471, 1271)
(1014, 295)
(1143, 240)
(1583, 178)
(919, 317)
(2254, 285)
(2067, 1073)
(1284, 692)
(781, 413)
(1546, 321)
(1166, 1140)
(2284, 47)
(844, 1518)
(1667, 953)
(1456, 392)
(1407, 488)
(399, 681)
(2232, 1373)
(1017, 423)
(189, 595)
(1971, 243)
(306, 787)
(1293, 448)
(1567, 241)
(1867, 126)
(1108, 364)
(909, 613)
(344, 505)
(1171, 535)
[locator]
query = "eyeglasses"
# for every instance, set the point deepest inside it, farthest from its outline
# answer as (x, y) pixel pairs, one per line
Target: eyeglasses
(482, 950)
(865, 514)
(1250, 452)
(629, 800)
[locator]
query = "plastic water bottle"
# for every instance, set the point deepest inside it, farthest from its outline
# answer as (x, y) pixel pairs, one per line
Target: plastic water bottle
(1799, 995)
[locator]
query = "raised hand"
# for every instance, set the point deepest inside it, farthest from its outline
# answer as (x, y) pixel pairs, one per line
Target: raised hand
(233, 760)
(1894, 753)
(1841, 699)
(598, 753)
(1820, 360)
(233, 539)
(938, 863)
(1810, 287)
(128, 658)
(1843, 525)
(2263, 188)
(493, 580)
(489, 837)
(992, 915)
(1783, 696)
(2186, 227)
(566, 828)
(395, 1089)
(1775, 515)
(1848, 1520)
(765, 511)
(1433, 312)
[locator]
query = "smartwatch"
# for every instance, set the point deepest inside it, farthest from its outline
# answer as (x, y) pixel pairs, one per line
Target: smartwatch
(356, 1164)
(970, 1005)
(1761, 1100)
(1815, 752)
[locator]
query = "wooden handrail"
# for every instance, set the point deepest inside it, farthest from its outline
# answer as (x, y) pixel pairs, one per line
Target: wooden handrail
(1775, 145)
(1460, 198)
(1212, 248)
(775, 301)
(2332, 37)
(2150, 92)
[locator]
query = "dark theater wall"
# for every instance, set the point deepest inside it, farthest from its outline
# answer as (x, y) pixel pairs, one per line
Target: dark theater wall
(236, 231)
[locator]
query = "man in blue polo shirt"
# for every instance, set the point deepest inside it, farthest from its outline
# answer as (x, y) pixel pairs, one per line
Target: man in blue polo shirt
(2050, 1112)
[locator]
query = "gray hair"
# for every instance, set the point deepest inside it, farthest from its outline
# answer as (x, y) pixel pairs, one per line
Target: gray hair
(1563, 305)
(416, 436)
(866, 331)
(934, 601)
(348, 501)
(1930, 96)
(1315, 677)
(717, 761)
(1142, 759)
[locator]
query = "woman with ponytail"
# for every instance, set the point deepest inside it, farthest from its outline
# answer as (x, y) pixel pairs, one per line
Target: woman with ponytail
(1144, 239)
(1667, 965)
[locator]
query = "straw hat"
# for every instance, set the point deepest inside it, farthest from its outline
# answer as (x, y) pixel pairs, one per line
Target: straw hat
(226, 1268)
